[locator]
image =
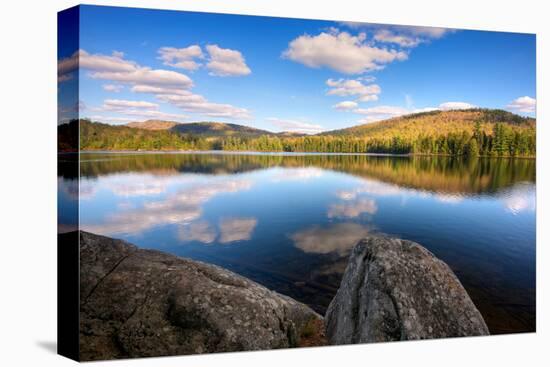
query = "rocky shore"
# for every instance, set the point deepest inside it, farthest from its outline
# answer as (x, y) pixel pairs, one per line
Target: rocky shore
(395, 289)
(140, 303)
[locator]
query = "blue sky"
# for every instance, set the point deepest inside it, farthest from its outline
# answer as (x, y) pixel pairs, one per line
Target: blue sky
(288, 74)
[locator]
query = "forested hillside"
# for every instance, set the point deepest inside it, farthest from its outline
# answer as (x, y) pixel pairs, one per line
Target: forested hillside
(476, 132)
(204, 129)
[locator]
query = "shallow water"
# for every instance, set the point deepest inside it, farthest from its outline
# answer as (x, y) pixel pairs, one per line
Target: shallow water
(289, 221)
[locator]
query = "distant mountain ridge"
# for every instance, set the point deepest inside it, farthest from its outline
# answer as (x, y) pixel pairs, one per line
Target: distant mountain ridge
(436, 123)
(206, 128)
(472, 132)
(152, 124)
(424, 123)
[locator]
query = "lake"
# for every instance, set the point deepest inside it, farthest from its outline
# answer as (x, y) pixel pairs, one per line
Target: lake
(288, 221)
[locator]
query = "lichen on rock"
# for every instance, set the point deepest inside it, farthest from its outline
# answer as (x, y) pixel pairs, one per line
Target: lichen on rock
(395, 289)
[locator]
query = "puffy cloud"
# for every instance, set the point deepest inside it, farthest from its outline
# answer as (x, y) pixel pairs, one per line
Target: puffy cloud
(112, 87)
(371, 187)
(132, 110)
(181, 57)
(184, 206)
(429, 32)
(387, 36)
(200, 231)
(519, 199)
(115, 68)
(221, 61)
(352, 209)
(116, 88)
(345, 105)
(353, 87)
(231, 230)
(105, 63)
(236, 229)
(146, 76)
(226, 62)
(117, 104)
(455, 106)
(340, 51)
(168, 86)
(524, 104)
(158, 90)
(409, 36)
(191, 102)
(403, 36)
(298, 174)
(337, 238)
(295, 126)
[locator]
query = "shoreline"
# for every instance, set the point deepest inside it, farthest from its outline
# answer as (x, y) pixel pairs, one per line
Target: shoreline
(246, 152)
(154, 293)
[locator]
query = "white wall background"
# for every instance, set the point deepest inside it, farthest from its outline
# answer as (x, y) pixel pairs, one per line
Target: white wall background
(28, 181)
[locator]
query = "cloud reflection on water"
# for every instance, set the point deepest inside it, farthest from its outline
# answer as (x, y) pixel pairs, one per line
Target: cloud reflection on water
(338, 238)
(352, 209)
(231, 229)
(181, 207)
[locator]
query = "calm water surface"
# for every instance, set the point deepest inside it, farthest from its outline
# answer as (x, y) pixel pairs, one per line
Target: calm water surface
(289, 221)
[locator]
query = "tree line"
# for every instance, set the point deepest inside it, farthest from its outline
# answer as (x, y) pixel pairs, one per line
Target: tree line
(502, 141)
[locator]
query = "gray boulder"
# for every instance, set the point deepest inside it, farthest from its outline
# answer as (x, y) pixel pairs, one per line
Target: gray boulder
(140, 303)
(395, 289)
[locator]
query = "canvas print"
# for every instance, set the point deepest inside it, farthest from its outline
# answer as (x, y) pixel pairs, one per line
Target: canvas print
(234, 183)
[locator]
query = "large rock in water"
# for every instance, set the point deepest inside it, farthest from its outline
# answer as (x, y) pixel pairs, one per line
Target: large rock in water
(394, 289)
(139, 303)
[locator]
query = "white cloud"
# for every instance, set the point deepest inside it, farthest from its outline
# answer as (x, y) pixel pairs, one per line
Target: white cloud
(182, 207)
(105, 63)
(236, 229)
(338, 238)
(181, 57)
(352, 209)
(191, 102)
(455, 106)
(345, 105)
(226, 62)
(524, 104)
(112, 87)
(353, 87)
(117, 104)
(387, 36)
(295, 126)
(158, 90)
(430, 32)
(297, 174)
(146, 76)
(340, 51)
(403, 36)
(168, 86)
(116, 68)
(409, 36)
(200, 231)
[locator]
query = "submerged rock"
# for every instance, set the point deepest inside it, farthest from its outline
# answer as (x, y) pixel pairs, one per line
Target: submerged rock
(139, 303)
(395, 289)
